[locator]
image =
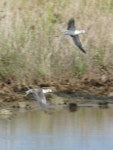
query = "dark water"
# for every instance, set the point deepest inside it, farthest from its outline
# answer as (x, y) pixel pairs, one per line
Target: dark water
(85, 129)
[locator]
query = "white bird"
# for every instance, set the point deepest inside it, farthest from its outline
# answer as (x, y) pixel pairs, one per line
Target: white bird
(38, 94)
(71, 31)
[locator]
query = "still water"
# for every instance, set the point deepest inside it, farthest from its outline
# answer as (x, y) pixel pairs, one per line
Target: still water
(86, 129)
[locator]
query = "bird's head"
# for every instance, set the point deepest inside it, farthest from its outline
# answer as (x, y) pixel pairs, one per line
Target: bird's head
(29, 91)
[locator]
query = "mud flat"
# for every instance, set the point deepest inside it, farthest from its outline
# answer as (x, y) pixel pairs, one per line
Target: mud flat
(80, 91)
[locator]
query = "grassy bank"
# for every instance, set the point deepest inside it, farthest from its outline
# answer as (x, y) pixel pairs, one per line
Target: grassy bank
(32, 46)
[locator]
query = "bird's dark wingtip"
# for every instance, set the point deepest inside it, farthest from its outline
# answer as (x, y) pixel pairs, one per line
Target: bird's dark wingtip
(71, 24)
(84, 51)
(71, 21)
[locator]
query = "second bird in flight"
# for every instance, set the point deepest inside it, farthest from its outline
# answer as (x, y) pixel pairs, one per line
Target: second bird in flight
(71, 31)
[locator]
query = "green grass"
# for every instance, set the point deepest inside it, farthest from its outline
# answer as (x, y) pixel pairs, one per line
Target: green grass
(32, 46)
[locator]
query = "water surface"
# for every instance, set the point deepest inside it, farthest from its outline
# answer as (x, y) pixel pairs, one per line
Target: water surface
(85, 129)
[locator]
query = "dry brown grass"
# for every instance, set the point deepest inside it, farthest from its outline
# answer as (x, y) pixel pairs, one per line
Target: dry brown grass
(32, 46)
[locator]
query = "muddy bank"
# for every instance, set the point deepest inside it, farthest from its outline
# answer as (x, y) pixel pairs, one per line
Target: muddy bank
(64, 90)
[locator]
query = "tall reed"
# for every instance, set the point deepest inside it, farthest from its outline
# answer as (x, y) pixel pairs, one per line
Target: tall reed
(32, 46)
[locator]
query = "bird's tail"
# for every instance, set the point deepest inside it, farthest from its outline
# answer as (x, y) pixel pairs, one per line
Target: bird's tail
(67, 32)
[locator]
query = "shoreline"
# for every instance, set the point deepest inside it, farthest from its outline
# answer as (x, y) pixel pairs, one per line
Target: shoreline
(77, 90)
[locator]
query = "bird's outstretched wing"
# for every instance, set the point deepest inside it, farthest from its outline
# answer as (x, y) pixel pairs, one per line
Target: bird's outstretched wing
(71, 24)
(78, 43)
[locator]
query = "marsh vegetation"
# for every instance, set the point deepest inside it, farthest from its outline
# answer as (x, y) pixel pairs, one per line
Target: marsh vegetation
(32, 46)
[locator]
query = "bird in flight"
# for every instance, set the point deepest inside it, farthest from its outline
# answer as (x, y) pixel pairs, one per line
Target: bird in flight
(38, 95)
(71, 31)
